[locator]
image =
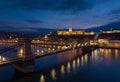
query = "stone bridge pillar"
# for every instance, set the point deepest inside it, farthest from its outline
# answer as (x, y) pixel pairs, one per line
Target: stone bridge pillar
(24, 51)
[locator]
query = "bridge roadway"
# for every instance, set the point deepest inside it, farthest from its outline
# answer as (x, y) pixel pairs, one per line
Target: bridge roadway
(55, 43)
(42, 53)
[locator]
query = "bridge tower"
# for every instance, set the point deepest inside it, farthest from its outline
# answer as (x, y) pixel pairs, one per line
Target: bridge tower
(24, 51)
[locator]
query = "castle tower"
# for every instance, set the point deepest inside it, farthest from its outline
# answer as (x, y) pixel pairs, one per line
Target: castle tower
(70, 30)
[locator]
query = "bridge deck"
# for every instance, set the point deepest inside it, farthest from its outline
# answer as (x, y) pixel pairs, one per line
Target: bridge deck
(39, 54)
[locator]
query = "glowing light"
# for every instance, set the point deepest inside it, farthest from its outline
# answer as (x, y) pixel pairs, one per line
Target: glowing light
(95, 52)
(46, 37)
(38, 50)
(82, 60)
(16, 41)
(42, 79)
(89, 33)
(53, 74)
(3, 59)
(10, 37)
(74, 64)
(38, 40)
(78, 45)
(100, 41)
(33, 40)
(0, 57)
(109, 51)
(21, 51)
(68, 67)
(42, 51)
(116, 54)
(62, 69)
(116, 51)
(53, 49)
(58, 47)
(78, 62)
(102, 50)
(70, 29)
(86, 58)
(49, 49)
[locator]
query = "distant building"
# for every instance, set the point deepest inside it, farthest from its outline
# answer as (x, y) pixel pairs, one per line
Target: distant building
(70, 32)
(107, 31)
(114, 42)
(116, 31)
(89, 33)
(110, 31)
(76, 32)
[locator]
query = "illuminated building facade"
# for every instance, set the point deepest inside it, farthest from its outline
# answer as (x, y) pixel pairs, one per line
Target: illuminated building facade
(110, 31)
(109, 43)
(115, 43)
(71, 32)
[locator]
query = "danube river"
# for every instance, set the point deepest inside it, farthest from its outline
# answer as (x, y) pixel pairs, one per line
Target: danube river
(101, 65)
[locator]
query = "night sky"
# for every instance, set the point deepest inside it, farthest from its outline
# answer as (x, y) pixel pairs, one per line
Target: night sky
(29, 15)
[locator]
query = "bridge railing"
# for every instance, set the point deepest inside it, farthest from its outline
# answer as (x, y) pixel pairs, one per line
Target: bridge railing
(53, 50)
(43, 52)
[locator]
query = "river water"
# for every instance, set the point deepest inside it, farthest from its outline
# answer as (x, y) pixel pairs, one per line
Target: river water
(100, 65)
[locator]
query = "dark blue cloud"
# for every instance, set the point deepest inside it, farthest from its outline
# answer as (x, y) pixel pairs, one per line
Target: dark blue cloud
(33, 14)
(55, 5)
(4, 23)
(1, 22)
(116, 11)
(34, 21)
(8, 28)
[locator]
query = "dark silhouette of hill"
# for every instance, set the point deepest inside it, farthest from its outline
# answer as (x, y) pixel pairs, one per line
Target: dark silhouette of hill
(114, 25)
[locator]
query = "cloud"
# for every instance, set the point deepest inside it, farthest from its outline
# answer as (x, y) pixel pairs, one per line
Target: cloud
(116, 11)
(34, 21)
(2, 22)
(54, 5)
(7, 28)
(15, 29)
(57, 13)
(26, 30)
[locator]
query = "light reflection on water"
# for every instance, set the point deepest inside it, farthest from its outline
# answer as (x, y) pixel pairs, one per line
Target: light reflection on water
(62, 69)
(78, 62)
(72, 67)
(74, 64)
(69, 66)
(53, 74)
(42, 78)
(95, 57)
